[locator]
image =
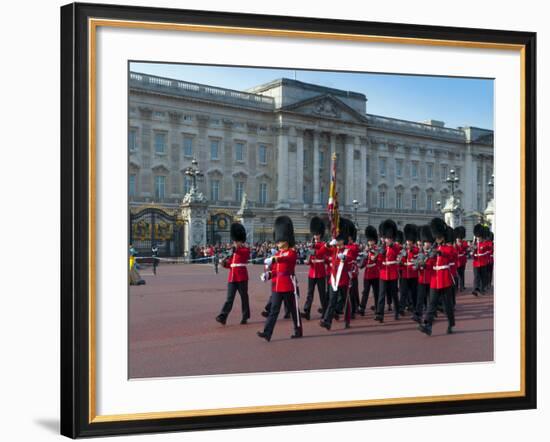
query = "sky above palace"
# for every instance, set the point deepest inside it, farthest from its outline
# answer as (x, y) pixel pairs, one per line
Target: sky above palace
(456, 101)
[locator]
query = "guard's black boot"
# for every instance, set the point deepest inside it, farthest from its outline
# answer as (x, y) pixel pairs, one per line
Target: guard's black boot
(244, 321)
(221, 319)
(297, 334)
(287, 315)
(305, 315)
(265, 314)
(450, 330)
(324, 324)
(261, 334)
(379, 318)
(425, 328)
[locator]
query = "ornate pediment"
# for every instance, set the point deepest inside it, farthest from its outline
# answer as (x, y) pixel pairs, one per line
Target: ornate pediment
(326, 106)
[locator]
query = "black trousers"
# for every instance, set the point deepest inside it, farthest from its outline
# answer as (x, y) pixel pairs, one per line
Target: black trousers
(232, 288)
(286, 304)
(423, 293)
(354, 295)
(367, 285)
(435, 296)
(461, 277)
(155, 264)
(323, 296)
(408, 293)
(480, 278)
(489, 276)
(388, 289)
(277, 298)
(337, 299)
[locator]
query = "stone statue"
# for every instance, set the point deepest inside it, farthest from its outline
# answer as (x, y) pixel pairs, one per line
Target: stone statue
(244, 202)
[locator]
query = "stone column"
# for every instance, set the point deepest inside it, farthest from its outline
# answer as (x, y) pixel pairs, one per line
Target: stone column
(282, 167)
(194, 214)
(226, 160)
(316, 184)
(300, 165)
(349, 178)
(363, 178)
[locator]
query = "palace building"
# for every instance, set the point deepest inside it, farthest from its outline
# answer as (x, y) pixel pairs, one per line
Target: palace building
(274, 142)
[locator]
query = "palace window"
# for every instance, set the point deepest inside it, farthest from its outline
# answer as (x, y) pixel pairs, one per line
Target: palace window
(214, 149)
(430, 171)
(214, 190)
(398, 167)
(381, 199)
(429, 202)
(444, 172)
(239, 151)
(414, 199)
(414, 169)
(321, 159)
(239, 188)
(160, 187)
(382, 166)
(132, 139)
(479, 202)
(132, 185)
(160, 143)
(399, 200)
(262, 154)
(188, 146)
(262, 197)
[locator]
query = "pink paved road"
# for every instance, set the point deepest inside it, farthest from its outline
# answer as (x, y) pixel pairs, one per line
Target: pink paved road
(173, 332)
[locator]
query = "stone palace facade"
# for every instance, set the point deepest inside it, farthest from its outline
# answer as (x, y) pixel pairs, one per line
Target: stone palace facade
(274, 143)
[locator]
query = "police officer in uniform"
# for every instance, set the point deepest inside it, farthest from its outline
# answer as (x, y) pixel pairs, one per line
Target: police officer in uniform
(237, 279)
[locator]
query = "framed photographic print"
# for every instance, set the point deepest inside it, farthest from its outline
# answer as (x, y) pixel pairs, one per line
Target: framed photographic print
(340, 178)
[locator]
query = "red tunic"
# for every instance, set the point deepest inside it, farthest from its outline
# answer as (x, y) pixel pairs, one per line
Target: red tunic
(462, 251)
(482, 253)
(335, 261)
(352, 256)
(317, 261)
(408, 271)
(441, 276)
(389, 266)
(372, 265)
(237, 265)
(425, 274)
(454, 261)
(282, 270)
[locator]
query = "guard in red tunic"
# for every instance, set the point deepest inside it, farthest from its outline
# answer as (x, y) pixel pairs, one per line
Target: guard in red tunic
(389, 270)
(491, 241)
(461, 247)
(353, 255)
(371, 264)
(283, 277)
(441, 280)
(237, 279)
(409, 273)
(425, 261)
(317, 272)
(340, 276)
(482, 251)
(450, 241)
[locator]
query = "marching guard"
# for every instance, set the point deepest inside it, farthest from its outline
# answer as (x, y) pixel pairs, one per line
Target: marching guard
(424, 263)
(371, 264)
(409, 274)
(461, 247)
(281, 272)
(481, 260)
(353, 255)
(441, 280)
(340, 276)
(317, 271)
(237, 278)
(389, 270)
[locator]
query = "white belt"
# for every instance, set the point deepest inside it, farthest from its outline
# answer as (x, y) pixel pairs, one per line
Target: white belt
(461, 254)
(409, 263)
(370, 266)
(440, 267)
(390, 262)
(452, 264)
(317, 261)
(481, 254)
(242, 264)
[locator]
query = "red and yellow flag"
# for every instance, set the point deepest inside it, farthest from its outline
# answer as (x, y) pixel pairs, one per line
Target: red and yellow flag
(332, 207)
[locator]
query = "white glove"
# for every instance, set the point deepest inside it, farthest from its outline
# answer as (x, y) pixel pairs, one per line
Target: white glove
(263, 277)
(268, 261)
(332, 242)
(341, 256)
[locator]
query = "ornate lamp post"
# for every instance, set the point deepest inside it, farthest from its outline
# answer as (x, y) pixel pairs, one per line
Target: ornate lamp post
(489, 213)
(355, 206)
(491, 185)
(452, 180)
(193, 172)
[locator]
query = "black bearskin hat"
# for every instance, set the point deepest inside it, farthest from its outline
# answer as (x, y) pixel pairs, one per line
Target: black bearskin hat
(388, 229)
(439, 228)
(450, 237)
(426, 234)
(317, 226)
(399, 237)
(283, 230)
(371, 233)
(411, 232)
(460, 232)
(486, 232)
(346, 229)
(478, 230)
(237, 232)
